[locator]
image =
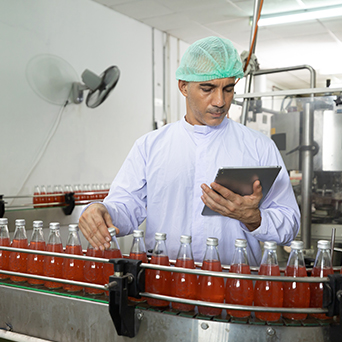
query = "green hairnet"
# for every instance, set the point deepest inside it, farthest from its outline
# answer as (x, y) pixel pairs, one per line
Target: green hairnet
(208, 59)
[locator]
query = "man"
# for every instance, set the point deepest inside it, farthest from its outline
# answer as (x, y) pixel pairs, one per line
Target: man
(164, 178)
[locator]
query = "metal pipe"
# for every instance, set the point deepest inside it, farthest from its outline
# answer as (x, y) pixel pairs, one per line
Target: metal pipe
(235, 275)
(57, 280)
(285, 69)
(248, 81)
(11, 336)
(306, 91)
(333, 235)
(59, 255)
(233, 306)
(154, 126)
(307, 174)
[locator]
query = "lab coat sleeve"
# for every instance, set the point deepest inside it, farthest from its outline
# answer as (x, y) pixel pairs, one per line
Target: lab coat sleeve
(126, 201)
(280, 216)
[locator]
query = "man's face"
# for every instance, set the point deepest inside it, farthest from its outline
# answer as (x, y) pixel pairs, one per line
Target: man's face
(208, 102)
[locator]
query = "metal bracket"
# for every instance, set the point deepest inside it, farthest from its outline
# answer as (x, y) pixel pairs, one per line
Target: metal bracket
(2, 206)
(70, 202)
(128, 280)
(332, 295)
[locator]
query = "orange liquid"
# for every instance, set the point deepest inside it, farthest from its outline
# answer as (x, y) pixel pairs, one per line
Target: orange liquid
(158, 282)
(108, 269)
(268, 293)
(296, 295)
(18, 261)
(4, 257)
(93, 271)
(316, 290)
(73, 268)
(143, 258)
(184, 285)
(53, 266)
(35, 262)
(210, 289)
(239, 291)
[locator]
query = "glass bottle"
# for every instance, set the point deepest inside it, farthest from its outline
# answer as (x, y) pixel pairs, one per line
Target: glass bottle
(36, 198)
(138, 252)
(239, 291)
(296, 295)
(211, 289)
(4, 241)
(112, 252)
(18, 261)
(73, 268)
(159, 282)
(184, 285)
(35, 262)
(43, 198)
(53, 266)
(93, 271)
(138, 249)
(269, 293)
(322, 268)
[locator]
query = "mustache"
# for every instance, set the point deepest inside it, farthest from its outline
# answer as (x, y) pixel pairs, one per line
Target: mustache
(215, 111)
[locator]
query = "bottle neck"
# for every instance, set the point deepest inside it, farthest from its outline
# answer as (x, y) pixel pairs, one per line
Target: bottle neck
(160, 249)
(240, 256)
(114, 243)
(296, 258)
(4, 234)
(37, 235)
(211, 254)
(20, 233)
(54, 237)
(138, 245)
(323, 258)
(185, 252)
(269, 257)
(73, 239)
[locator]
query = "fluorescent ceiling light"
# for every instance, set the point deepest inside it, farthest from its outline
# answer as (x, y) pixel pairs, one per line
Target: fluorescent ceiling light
(302, 15)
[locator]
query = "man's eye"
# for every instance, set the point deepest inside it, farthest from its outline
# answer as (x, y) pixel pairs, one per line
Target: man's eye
(206, 89)
(229, 90)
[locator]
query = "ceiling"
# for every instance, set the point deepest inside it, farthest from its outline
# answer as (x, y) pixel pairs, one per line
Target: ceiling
(317, 43)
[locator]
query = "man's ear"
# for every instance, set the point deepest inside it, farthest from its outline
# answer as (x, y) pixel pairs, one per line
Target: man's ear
(183, 87)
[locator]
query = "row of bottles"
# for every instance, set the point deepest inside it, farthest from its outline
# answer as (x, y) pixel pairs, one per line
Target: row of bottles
(177, 284)
(51, 266)
(55, 194)
(239, 291)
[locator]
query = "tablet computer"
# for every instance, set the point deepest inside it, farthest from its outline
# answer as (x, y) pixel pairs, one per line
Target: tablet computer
(240, 180)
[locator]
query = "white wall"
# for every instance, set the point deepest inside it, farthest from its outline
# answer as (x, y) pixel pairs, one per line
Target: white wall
(89, 145)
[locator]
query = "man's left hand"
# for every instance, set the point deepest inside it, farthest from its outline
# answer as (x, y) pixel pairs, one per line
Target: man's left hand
(227, 203)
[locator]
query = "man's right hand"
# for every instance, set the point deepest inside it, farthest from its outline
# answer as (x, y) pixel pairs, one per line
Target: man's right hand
(94, 224)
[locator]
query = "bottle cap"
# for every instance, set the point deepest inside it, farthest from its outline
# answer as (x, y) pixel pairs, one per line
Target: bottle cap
(185, 239)
(112, 231)
(160, 236)
(138, 233)
(323, 244)
(270, 245)
(54, 225)
(4, 220)
(73, 227)
(212, 241)
(241, 243)
(20, 222)
(297, 245)
(37, 224)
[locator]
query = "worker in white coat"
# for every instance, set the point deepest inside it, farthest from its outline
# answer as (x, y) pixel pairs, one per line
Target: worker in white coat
(168, 175)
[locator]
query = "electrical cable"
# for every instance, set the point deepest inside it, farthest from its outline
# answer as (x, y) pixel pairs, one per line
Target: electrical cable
(43, 149)
(253, 39)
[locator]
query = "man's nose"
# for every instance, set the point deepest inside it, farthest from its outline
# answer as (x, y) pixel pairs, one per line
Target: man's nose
(218, 100)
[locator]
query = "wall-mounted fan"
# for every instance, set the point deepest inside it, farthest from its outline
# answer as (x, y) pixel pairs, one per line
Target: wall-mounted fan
(99, 86)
